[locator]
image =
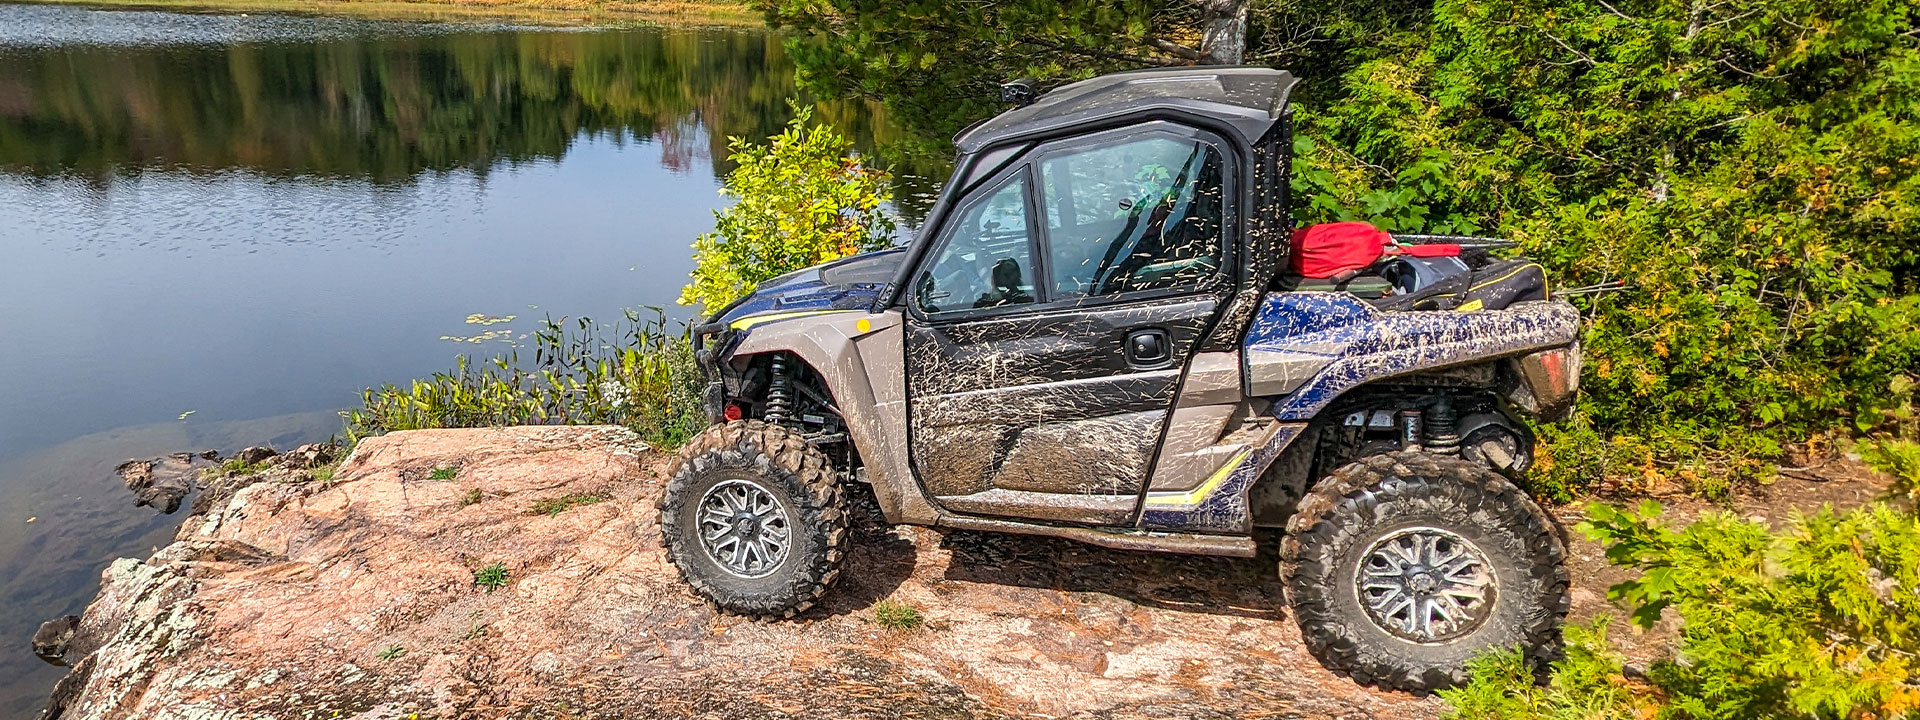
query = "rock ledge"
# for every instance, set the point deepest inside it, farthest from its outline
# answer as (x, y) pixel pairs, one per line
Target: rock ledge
(354, 598)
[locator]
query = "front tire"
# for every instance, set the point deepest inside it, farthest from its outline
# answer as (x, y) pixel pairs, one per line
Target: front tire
(1402, 567)
(754, 519)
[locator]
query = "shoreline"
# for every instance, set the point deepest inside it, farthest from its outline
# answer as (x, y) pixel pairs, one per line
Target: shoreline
(563, 13)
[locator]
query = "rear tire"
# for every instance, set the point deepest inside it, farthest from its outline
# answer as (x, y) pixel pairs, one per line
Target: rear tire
(1402, 567)
(754, 519)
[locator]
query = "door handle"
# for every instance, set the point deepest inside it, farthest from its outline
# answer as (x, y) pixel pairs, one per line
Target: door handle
(1148, 348)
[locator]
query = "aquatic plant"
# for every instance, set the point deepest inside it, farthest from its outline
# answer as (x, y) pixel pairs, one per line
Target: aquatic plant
(635, 372)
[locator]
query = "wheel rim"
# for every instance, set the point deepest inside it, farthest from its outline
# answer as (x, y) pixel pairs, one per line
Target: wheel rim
(1425, 585)
(744, 529)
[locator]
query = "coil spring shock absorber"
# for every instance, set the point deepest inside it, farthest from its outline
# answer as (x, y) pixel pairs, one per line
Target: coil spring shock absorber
(1442, 430)
(779, 395)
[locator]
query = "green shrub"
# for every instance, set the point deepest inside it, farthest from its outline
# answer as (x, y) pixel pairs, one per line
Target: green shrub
(632, 373)
(1896, 451)
(799, 200)
(1589, 684)
(1898, 457)
(1819, 620)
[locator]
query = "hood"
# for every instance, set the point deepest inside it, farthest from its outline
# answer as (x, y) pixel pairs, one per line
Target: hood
(850, 283)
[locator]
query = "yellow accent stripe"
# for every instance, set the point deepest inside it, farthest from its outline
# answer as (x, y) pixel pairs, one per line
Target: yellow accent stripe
(1194, 496)
(752, 320)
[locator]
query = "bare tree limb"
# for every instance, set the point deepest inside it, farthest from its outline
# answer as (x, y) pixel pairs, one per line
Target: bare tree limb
(1569, 48)
(1616, 11)
(1171, 48)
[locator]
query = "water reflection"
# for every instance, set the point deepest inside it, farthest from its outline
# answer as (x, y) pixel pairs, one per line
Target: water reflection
(386, 109)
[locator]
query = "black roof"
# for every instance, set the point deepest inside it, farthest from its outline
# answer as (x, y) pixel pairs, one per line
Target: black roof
(1247, 99)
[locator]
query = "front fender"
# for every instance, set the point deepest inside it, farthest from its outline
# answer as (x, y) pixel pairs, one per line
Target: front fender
(860, 356)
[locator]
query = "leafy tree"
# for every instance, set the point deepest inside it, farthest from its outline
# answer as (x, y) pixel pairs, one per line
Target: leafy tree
(800, 200)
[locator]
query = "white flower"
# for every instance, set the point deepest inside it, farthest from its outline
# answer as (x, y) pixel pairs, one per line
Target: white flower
(614, 392)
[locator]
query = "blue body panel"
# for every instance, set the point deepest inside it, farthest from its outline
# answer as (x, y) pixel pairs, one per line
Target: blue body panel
(809, 289)
(1363, 344)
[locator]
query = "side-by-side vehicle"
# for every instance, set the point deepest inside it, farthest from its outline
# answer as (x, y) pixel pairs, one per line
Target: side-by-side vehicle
(1101, 334)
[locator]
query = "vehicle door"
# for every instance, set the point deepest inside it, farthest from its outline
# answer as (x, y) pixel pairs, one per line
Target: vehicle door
(1050, 323)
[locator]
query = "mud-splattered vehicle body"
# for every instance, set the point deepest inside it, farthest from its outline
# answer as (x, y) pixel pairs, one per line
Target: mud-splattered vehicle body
(1096, 337)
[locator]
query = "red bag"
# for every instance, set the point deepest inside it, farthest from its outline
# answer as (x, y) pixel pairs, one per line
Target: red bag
(1332, 250)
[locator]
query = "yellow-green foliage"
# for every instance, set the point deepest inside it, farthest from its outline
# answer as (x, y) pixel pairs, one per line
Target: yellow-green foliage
(1819, 620)
(799, 200)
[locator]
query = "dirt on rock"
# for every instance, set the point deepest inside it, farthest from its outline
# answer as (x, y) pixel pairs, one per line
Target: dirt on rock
(357, 597)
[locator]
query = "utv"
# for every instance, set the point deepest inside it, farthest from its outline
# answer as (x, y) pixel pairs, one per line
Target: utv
(1099, 335)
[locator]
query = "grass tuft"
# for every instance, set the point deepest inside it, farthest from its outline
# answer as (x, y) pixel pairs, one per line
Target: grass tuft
(492, 577)
(443, 473)
(234, 467)
(391, 652)
(895, 615)
(556, 505)
(470, 497)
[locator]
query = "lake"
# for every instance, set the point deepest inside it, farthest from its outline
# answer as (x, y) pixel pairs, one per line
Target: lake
(215, 230)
